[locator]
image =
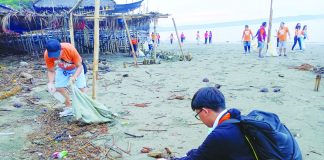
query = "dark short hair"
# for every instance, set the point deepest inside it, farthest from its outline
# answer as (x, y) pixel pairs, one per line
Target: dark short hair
(208, 97)
(264, 23)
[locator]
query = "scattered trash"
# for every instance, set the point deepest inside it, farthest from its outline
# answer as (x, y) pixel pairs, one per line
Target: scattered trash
(17, 105)
(142, 105)
(264, 90)
(125, 75)
(60, 155)
(10, 93)
(304, 67)
(23, 64)
(134, 136)
(218, 86)
(276, 90)
(146, 150)
(26, 75)
(62, 136)
(155, 154)
(205, 80)
(176, 97)
(281, 75)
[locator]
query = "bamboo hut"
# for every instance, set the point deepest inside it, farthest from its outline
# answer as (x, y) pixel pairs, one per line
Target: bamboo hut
(28, 30)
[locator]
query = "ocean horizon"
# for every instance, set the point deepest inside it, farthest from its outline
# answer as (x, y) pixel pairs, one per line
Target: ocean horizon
(232, 31)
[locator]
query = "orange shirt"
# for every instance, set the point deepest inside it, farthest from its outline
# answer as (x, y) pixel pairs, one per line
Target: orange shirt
(247, 33)
(282, 33)
(134, 41)
(69, 57)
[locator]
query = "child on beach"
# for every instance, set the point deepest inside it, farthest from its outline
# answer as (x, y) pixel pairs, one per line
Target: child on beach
(206, 37)
(197, 37)
(246, 38)
(171, 38)
(261, 34)
(182, 37)
(298, 36)
(282, 36)
(210, 37)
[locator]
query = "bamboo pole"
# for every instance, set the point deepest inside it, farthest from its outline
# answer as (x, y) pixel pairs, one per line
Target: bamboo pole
(130, 41)
(176, 30)
(96, 48)
(270, 25)
(71, 29)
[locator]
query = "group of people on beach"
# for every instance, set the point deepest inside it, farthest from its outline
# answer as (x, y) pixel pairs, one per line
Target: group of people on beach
(207, 35)
(282, 35)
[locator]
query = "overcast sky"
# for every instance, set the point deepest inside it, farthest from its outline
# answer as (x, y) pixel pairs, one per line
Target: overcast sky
(212, 11)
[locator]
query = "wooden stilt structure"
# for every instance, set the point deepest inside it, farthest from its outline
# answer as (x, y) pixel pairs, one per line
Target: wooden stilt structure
(96, 48)
(270, 25)
(130, 41)
(176, 30)
(155, 39)
(71, 29)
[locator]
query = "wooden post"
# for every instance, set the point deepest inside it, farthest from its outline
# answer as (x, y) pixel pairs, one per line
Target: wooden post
(155, 39)
(176, 30)
(71, 29)
(130, 41)
(317, 82)
(270, 25)
(96, 48)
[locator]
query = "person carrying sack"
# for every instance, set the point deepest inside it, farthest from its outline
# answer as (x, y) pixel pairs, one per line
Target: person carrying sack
(69, 67)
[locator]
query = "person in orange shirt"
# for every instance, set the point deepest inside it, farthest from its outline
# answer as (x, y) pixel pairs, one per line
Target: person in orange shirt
(69, 68)
(135, 44)
(246, 38)
(282, 36)
(153, 36)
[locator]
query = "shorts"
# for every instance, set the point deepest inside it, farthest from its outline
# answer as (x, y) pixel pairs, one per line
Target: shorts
(282, 44)
(62, 78)
(246, 43)
(260, 44)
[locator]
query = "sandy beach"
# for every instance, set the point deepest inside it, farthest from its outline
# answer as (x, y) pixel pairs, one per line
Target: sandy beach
(241, 77)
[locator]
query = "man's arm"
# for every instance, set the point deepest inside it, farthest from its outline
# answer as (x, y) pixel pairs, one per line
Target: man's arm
(51, 75)
(77, 72)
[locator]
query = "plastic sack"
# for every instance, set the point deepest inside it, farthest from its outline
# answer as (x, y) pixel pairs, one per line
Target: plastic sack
(87, 110)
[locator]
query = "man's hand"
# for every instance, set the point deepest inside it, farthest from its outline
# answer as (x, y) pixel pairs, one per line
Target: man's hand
(51, 88)
(72, 79)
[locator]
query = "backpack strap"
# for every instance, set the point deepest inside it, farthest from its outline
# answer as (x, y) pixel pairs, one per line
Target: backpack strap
(247, 139)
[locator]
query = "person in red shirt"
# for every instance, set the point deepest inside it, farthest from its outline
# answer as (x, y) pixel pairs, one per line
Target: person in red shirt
(206, 37)
(68, 63)
(261, 34)
(135, 44)
(246, 38)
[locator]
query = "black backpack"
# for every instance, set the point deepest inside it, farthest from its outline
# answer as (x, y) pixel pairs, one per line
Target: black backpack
(267, 137)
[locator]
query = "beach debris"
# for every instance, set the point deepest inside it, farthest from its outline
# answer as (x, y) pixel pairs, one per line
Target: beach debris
(176, 97)
(17, 105)
(205, 80)
(142, 105)
(304, 67)
(23, 64)
(317, 82)
(315, 152)
(10, 93)
(60, 155)
(276, 90)
(5, 110)
(125, 75)
(134, 136)
(264, 90)
(281, 75)
(26, 75)
(319, 70)
(155, 154)
(146, 150)
(7, 134)
(218, 86)
(153, 130)
(62, 136)
(160, 117)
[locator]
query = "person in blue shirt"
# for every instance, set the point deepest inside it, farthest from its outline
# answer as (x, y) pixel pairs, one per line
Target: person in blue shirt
(225, 141)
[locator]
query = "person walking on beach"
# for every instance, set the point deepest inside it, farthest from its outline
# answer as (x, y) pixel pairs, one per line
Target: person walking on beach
(210, 37)
(297, 37)
(282, 36)
(206, 37)
(261, 34)
(70, 69)
(305, 36)
(171, 38)
(153, 36)
(158, 38)
(225, 139)
(246, 38)
(198, 37)
(135, 45)
(182, 37)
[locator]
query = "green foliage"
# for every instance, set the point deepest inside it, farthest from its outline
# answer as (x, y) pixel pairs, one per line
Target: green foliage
(16, 3)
